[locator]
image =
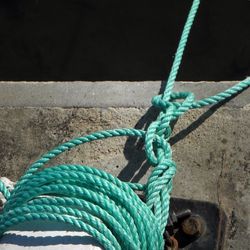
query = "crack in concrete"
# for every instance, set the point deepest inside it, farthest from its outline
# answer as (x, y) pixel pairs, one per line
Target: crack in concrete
(218, 185)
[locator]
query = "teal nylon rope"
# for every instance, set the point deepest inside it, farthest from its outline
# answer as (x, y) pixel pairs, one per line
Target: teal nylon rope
(99, 203)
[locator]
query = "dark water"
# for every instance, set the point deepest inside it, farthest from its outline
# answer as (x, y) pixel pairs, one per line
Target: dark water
(121, 40)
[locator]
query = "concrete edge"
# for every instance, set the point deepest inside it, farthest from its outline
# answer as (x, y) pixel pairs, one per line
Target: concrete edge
(104, 94)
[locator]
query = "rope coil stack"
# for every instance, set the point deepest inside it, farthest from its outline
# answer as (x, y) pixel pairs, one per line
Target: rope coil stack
(99, 203)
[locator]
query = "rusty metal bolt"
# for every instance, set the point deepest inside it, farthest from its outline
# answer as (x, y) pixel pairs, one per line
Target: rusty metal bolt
(193, 226)
(174, 243)
(183, 214)
(170, 242)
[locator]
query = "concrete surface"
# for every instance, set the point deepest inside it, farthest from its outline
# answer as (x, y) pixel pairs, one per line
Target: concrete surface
(102, 94)
(210, 146)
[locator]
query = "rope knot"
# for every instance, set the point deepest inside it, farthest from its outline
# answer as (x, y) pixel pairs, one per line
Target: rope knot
(158, 102)
(159, 131)
(159, 152)
(156, 142)
(179, 107)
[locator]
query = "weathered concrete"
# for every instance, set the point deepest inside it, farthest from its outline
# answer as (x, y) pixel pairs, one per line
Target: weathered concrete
(102, 94)
(210, 146)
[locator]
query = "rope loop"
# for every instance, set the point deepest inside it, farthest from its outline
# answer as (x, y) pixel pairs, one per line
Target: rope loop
(159, 153)
(185, 105)
(170, 110)
(179, 107)
(156, 143)
(158, 102)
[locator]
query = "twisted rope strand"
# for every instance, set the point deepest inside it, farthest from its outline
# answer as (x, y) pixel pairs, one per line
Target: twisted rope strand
(180, 50)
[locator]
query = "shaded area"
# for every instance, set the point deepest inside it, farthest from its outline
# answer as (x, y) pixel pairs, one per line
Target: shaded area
(215, 224)
(28, 241)
(121, 40)
(137, 165)
(133, 150)
(46, 233)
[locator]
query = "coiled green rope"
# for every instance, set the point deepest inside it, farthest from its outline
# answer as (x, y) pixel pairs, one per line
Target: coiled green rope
(95, 201)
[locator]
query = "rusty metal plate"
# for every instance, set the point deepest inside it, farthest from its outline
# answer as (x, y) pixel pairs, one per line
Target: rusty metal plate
(213, 232)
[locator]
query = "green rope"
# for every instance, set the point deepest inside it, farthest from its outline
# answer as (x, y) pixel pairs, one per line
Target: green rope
(95, 201)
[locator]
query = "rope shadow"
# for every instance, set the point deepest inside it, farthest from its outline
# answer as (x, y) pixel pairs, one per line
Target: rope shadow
(137, 165)
(34, 241)
(201, 119)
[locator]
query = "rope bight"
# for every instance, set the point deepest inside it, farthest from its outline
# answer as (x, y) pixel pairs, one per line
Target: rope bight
(95, 201)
